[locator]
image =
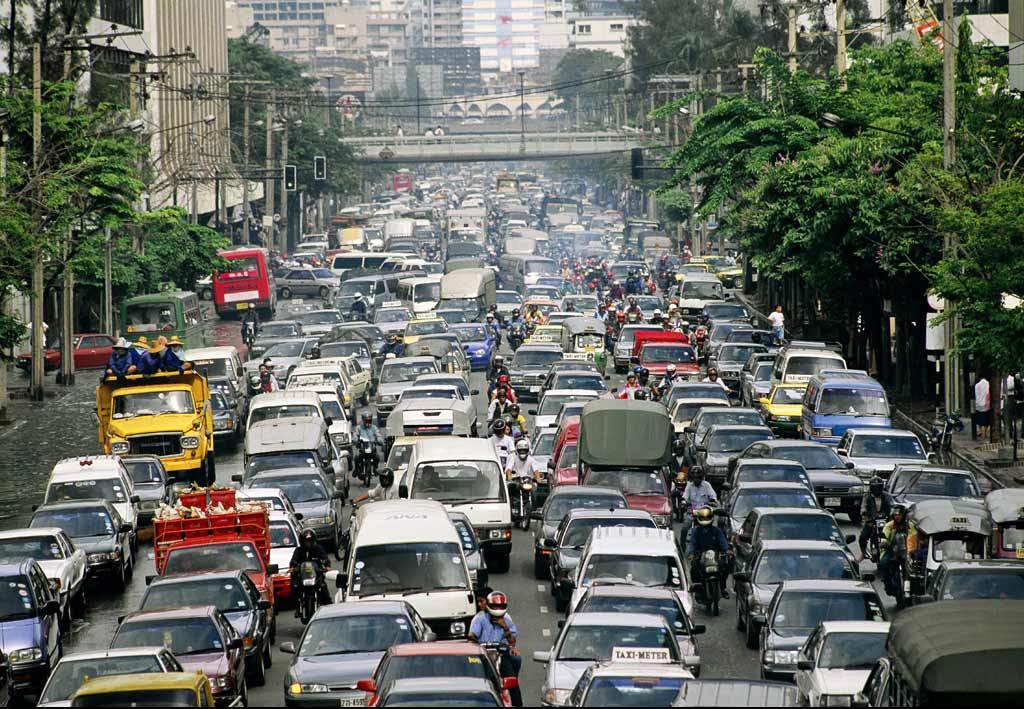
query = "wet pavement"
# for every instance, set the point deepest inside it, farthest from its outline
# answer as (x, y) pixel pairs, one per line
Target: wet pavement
(62, 426)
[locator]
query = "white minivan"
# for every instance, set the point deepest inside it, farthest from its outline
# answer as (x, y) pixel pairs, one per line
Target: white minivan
(466, 475)
(409, 550)
(102, 476)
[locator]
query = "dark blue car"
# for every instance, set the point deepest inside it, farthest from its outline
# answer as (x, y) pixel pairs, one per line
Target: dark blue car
(476, 343)
(29, 624)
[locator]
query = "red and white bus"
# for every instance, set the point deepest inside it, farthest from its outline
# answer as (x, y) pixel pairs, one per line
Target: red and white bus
(249, 279)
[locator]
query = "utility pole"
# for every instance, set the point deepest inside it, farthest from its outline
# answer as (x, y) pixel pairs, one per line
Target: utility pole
(67, 304)
(791, 14)
(522, 113)
(245, 177)
(108, 286)
(271, 182)
(193, 167)
(3, 295)
(418, 131)
(841, 43)
(37, 257)
(285, 196)
(953, 399)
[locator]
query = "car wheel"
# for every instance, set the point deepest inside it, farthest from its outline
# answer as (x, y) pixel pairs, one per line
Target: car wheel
(243, 693)
(259, 672)
(286, 293)
(740, 624)
(753, 638)
(211, 470)
(78, 603)
(65, 618)
(540, 569)
(268, 656)
(122, 578)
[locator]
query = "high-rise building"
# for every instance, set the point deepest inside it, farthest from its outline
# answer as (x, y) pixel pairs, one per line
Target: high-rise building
(460, 67)
(438, 23)
(600, 32)
(506, 31)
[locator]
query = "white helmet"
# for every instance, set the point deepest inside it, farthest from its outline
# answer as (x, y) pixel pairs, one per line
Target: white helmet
(522, 448)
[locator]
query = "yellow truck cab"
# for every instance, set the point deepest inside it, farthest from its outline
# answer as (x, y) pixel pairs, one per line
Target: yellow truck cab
(156, 689)
(782, 409)
(166, 414)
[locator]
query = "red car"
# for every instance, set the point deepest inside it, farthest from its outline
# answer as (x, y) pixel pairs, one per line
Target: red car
(563, 468)
(92, 351)
(439, 659)
(645, 489)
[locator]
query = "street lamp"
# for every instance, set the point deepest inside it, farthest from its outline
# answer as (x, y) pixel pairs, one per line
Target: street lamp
(831, 120)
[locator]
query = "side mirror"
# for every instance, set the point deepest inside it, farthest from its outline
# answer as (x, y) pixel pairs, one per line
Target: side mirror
(35, 507)
(403, 491)
(842, 451)
(726, 486)
(869, 577)
(804, 665)
(532, 412)
(689, 429)
(150, 578)
(135, 499)
(341, 581)
(338, 495)
(329, 421)
(474, 392)
(264, 605)
(550, 544)
(299, 516)
(236, 478)
(542, 657)
(741, 577)
(859, 700)
(699, 629)
(429, 636)
(763, 401)
(551, 464)
(273, 569)
(367, 685)
(125, 528)
(850, 538)
(536, 515)
(51, 607)
(287, 648)
(849, 465)
(701, 449)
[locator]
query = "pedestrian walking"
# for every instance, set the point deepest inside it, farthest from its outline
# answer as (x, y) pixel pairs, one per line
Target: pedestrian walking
(778, 321)
(982, 407)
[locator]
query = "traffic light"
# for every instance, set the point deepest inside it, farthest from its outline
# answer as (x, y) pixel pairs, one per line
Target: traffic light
(319, 167)
(291, 182)
(636, 160)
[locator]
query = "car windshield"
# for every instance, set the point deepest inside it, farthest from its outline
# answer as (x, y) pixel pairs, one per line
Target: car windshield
(760, 337)
(109, 489)
(544, 444)
(788, 395)
(285, 349)
(776, 566)
(350, 634)
(812, 457)
(699, 391)
(282, 411)
(980, 583)
(211, 367)
(227, 595)
(424, 393)
(320, 317)
(595, 642)
(593, 382)
(630, 482)
(153, 403)
(954, 547)
(807, 609)
(680, 354)
(212, 557)
(474, 333)
(736, 354)
(78, 522)
(298, 489)
(38, 548)
(149, 317)
(632, 691)
(458, 482)
(332, 409)
(535, 358)
(352, 287)
(507, 298)
(667, 608)
(418, 567)
(882, 446)
(322, 273)
(405, 371)
(722, 331)
(282, 535)
(218, 402)
(553, 402)
(182, 636)
(852, 651)
(935, 484)
(416, 666)
(746, 500)
(69, 675)
(345, 349)
(685, 411)
(809, 365)
(578, 531)
(725, 311)
(734, 441)
(392, 315)
(724, 416)
(642, 570)
(426, 327)
(284, 329)
(144, 471)
(763, 373)
(561, 504)
(836, 401)
(771, 474)
(820, 527)
(453, 317)
(280, 461)
(701, 290)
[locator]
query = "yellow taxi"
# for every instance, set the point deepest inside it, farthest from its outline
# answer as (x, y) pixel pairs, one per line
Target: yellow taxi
(169, 689)
(782, 408)
(415, 329)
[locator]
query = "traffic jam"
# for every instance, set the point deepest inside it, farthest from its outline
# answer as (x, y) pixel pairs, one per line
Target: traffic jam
(490, 443)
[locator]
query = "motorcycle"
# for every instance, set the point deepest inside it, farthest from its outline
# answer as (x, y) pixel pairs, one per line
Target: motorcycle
(874, 545)
(366, 462)
(516, 337)
(310, 578)
(678, 504)
(711, 581)
(940, 438)
(249, 336)
(898, 570)
(521, 491)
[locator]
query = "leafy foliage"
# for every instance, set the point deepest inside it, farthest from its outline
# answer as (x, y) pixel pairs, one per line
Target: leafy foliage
(586, 65)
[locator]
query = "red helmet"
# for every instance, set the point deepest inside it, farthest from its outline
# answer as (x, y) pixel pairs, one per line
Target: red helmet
(503, 379)
(497, 604)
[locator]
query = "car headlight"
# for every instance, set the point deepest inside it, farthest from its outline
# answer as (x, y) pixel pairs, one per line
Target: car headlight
(223, 424)
(340, 439)
(388, 398)
(836, 700)
(313, 521)
(220, 683)
(858, 489)
(557, 696)
(457, 628)
(189, 442)
(105, 556)
(296, 688)
(781, 657)
(27, 654)
(780, 418)
(120, 447)
(823, 432)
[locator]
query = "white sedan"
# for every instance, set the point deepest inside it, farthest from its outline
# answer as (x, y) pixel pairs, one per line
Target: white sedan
(63, 564)
(834, 663)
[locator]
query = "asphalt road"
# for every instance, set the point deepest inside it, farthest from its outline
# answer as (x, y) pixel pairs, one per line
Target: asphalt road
(531, 605)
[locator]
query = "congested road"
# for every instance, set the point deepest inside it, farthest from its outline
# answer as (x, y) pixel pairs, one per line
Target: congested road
(531, 604)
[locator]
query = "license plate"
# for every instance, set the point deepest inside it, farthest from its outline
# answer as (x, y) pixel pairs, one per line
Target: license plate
(241, 306)
(832, 502)
(352, 702)
(534, 390)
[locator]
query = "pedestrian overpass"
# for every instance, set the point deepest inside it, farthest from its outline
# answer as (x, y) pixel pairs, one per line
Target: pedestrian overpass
(486, 147)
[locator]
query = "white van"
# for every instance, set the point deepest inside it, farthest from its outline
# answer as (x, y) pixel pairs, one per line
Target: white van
(409, 550)
(648, 557)
(284, 404)
(219, 362)
(421, 294)
(800, 360)
(467, 475)
(697, 290)
(95, 476)
(361, 259)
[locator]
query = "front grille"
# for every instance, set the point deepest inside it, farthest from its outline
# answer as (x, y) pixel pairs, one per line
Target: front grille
(160, 444)
(832, 490)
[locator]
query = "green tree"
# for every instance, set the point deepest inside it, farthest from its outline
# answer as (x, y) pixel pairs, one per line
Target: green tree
(578, 77)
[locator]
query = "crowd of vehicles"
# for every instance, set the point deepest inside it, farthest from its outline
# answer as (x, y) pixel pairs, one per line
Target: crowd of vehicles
(725, 464)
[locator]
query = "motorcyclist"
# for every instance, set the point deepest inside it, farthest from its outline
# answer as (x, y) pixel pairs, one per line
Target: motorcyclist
(250, 324)
(706, 535)
(122, 361)
(670, 378)
(634, 309)
(368, 431)
(516, 319)
(309, 550)
(267, 381)
(384, 490)
(633, 283)
(504, 382)
(873, 506)
(534, 316)
(616, 292)
(358, 308)
(656, 317)
(898, 523)
(493, 329)
(522, 464)
(713, 378)
(494, 625)
(503, 443)
(394, 345)
(517, 419)
(498, 368)
(630, 388)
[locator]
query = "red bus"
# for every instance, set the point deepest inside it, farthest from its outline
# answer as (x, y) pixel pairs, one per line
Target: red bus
(402, 181)
(249, 280)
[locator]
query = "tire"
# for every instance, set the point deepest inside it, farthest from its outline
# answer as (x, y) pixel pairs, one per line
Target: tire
(78, 603)
(741, 625)
(122, 577)
(540, 569)
(243, 693)
(753, 638)
(711, 596)
(211, 469)
(268, 656)
(259, 672)
(65, 618)
(286, 293)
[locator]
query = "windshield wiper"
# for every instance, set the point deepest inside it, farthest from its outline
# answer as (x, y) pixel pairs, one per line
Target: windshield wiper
(642, 492)
(203, 651)
(577, 659)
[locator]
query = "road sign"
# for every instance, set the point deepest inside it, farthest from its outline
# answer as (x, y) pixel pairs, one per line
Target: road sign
(386, 154)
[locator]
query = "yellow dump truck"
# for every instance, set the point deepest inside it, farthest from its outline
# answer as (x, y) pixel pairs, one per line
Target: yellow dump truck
(167, 415)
